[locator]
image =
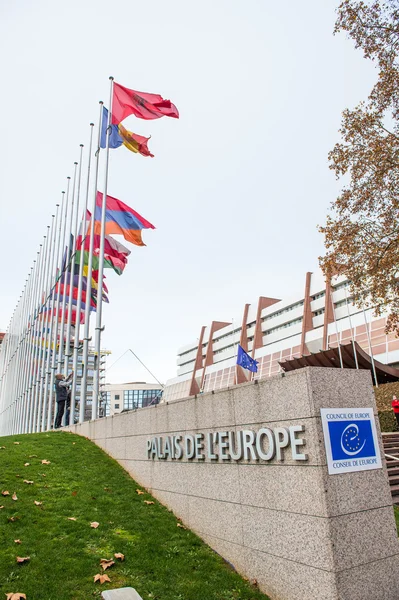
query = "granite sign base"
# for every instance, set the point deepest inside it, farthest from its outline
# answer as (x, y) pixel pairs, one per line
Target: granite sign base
(270, 506)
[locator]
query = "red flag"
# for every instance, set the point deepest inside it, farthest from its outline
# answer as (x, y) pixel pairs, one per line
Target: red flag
(127, 102)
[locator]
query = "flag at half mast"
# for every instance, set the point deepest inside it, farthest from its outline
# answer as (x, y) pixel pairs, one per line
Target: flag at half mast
(146, 106)
(120, 219)
(245, 361)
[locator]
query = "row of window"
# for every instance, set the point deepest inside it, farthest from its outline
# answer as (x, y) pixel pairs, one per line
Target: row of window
(284, 326)
(283, 311)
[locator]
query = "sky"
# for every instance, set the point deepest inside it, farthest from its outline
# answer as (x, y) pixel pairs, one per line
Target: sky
(238, 184)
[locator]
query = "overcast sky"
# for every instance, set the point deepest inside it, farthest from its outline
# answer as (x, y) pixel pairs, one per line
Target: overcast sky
(238, 184)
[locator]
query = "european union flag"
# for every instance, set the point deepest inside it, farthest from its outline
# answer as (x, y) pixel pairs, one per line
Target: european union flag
(115, 139)
(245, 361)
(351, 439)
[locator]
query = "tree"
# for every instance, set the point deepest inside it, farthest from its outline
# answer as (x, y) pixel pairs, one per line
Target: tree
(362, 231)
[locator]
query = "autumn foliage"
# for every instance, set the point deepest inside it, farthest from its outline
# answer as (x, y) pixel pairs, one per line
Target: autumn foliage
(362, 231)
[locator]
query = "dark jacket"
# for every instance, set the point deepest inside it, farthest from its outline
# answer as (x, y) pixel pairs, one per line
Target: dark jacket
(61, 390)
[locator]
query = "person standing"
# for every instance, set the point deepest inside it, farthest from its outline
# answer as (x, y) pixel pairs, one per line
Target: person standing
(395, 406)
(61, 391)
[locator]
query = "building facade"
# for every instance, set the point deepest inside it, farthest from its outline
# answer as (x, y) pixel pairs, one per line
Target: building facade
(117, 397)
(274, 330)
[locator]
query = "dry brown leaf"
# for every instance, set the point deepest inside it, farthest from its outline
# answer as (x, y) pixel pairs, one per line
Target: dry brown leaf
(12, 519)
(1, 507)
(5, 493)
(74, 493)
(27, 481)
(139, 492)
(180, 525)
(38, 503)
(16, 596)
(14, 496)
(106, 563)
(18, 541)
(22, 559)
(45, 462)
(17, 443)
(26, 464)
(101, 578)
(148, 502)
(33, 456)
(2, 447)
(43, 474)
(119, 555)
(71, 518)
(94, 524)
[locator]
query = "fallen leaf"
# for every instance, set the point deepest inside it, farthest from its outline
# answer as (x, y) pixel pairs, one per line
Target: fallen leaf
(5, 493)
(73, 443)
(2, 447)
(26, 464)
(45, 462)
(101, 578)
(43, 474)
(139, 492)
(180, 525)
(1, 507)
(74, 493)
(106, 563)
(18, 541)
(119, 555)
(148, 502)
(94, 524)
(17, 443)
(33, 456)
(12, 519)
(71, 518)
(38, 503)
(14, 496)
(27, 481)
(107, 489)
(17, 475)
(22, 559)
(16, 596)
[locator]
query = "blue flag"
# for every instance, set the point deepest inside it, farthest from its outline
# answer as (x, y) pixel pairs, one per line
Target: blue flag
(115, 139)
(245, 361)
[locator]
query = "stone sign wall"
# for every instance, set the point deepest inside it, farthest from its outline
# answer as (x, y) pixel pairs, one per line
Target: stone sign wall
(246, 469)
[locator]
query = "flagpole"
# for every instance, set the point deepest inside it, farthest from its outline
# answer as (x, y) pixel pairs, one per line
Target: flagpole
(351, 328)
(32, 387)
(45, 350)
(32, 341)
(99, 325)
(71, 279)
(336, 331)
(80, 283)
(86, 338)
(370, 348)
(25, 348)
(56, 335)
(39, 318)
(64, 278)
(50, 312)
(18, 358)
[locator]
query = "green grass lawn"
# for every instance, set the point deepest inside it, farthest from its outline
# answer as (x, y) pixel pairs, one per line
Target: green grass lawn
(162, 560)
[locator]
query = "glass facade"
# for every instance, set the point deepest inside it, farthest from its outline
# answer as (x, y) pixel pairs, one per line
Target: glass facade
(140, 398)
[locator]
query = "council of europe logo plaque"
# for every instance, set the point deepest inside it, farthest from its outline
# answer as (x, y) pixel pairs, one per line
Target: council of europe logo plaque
(350, 438)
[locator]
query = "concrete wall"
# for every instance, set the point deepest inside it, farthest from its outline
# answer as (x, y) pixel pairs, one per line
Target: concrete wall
(301, 533)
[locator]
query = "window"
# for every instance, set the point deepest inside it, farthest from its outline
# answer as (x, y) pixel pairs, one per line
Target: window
(116, 396)
(116, 405)
(140, 398)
